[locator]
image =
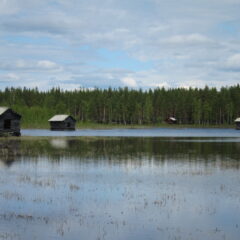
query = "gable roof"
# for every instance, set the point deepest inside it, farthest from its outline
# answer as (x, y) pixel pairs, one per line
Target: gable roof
(173, 118)
(237, 120)
(60, 118)
(4, 109)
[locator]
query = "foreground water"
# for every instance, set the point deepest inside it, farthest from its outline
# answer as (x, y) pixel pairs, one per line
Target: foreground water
(120, 188)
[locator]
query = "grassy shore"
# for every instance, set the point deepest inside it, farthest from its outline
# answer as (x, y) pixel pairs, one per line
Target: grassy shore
(89, 125)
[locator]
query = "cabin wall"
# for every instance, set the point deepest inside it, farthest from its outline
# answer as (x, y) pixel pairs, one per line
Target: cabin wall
(169, 121)
(64, 125)
(238, 125)
(14, 123)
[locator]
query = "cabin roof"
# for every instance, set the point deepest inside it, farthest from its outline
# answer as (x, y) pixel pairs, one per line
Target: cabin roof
(173, 118)
(4, 109)
(59, 118)
(237, 120)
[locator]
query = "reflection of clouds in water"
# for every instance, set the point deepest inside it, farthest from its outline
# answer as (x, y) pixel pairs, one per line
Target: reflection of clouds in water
(74, 185)
(59, 143)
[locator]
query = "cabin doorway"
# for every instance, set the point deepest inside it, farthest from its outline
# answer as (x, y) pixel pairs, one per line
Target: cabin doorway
(7, 123)
(68, 125)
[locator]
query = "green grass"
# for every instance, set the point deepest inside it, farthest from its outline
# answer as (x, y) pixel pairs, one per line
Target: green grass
(35, 125)
(91, 125)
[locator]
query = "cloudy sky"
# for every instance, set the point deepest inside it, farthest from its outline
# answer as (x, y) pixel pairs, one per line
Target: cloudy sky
(117, 43)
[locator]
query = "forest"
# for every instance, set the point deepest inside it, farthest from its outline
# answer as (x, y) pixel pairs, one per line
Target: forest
(124, 106)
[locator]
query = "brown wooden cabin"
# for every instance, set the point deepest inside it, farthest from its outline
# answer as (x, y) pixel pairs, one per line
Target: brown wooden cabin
(171, 120)
(237, 121)
(62, 122)
(9, 122)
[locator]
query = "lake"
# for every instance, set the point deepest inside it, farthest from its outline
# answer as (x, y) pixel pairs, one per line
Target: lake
(146, 132)
(121, 188)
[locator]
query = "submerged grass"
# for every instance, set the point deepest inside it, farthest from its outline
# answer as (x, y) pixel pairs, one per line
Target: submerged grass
(63, 196)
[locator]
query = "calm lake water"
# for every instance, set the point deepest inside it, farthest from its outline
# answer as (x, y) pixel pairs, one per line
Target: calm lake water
(120, 188)
(147, 132)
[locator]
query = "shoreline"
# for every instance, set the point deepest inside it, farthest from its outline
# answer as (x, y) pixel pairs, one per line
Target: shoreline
(95, 126)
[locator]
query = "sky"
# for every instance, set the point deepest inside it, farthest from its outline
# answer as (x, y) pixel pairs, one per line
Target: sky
(145, 44)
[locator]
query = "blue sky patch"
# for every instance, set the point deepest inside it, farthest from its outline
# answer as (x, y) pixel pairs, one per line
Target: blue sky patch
(119, 60)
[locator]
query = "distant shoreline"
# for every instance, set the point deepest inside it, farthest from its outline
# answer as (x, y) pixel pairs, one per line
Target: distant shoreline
(130, 126)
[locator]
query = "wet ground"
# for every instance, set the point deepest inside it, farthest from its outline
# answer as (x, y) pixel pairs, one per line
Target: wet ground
(120, 188)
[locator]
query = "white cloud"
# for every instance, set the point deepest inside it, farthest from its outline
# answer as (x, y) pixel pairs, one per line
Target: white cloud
(185, 42)
(23, 65)
(38, 24)
(9, 77)
(68, 86)
(8, 7)
(233, 62)
(45, 64)
(194, 38)
(129, 81)
(12, 76)
(159, 85)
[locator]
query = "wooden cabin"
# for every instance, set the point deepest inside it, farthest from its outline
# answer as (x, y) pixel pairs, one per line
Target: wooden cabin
(237, 121)
(171, 120)
(9, 122)
(62, 122)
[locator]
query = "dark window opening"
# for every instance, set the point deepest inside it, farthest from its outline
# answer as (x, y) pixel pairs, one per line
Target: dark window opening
(68, 124)
(7, 124)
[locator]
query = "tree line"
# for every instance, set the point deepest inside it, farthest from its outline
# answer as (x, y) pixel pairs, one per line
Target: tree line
(127, 106)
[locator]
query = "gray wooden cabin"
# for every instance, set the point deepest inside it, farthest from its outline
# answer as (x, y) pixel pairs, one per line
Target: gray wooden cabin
(62, 122)
(9, 122)
(237, 121)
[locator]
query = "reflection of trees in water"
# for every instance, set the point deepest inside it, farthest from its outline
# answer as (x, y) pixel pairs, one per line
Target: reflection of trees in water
(128, 151)
(9, 151)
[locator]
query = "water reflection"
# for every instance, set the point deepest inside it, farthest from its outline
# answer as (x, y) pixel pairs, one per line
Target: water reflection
(9, 151)
(59, 143)
(123, 150)
(119, 188)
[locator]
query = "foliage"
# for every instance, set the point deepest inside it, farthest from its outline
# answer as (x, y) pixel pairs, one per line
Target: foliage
(126, 106)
